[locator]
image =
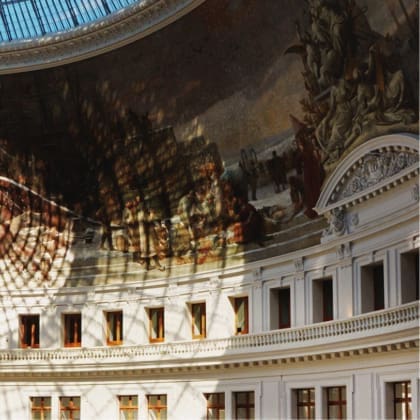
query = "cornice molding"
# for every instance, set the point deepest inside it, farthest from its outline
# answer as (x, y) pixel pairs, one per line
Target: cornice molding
(134, 370)
(116, 30)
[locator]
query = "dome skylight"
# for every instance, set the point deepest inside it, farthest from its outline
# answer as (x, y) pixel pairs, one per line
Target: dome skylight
(26, 19)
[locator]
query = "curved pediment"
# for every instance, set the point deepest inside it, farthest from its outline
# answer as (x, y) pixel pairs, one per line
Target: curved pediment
(374, 167)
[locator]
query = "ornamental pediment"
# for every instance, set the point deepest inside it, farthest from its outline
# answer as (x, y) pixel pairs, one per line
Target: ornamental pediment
(377, 166)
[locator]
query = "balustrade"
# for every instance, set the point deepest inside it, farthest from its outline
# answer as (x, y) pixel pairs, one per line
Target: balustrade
(308, 335)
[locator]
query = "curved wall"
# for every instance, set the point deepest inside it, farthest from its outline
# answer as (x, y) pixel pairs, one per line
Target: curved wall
(202, 109)
(256, 281)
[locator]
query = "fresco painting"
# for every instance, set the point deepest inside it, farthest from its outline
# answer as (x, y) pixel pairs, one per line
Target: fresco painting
(96, 169)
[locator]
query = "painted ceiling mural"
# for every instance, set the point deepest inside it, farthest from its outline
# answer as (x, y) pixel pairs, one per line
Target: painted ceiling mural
(203, 145)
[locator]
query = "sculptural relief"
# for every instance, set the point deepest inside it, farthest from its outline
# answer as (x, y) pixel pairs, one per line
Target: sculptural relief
(352, 75)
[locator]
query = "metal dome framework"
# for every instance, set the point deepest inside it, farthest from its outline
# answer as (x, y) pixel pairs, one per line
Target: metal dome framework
(27, 19)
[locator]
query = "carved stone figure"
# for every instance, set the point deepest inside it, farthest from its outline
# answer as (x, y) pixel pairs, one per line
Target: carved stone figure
(352, 74)
(337, 124)
(337, 223)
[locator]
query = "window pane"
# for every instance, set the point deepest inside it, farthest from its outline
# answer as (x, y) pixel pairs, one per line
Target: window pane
(333, 394)
(284, 307)
(212, 413)
(240, 314)
(399, 386)
(197, 317)
(312, 395)
(128, 415)
(153, 399)
(399, 411)
(211, 399)
(333, 411)
(155, 324)
(302, 412)
(163, 400)
(303, 395)
(241, 413)
(241, 398)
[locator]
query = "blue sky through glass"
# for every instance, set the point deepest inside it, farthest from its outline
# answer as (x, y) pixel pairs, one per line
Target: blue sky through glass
(25, 19)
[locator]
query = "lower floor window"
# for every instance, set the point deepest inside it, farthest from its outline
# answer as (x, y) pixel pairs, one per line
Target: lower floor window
(402, 400)
(305, 403)
(336, 402)
(128, 407)
(244, 405)
(70, 408)
(215, 406)
(157, 408)
(40, 408)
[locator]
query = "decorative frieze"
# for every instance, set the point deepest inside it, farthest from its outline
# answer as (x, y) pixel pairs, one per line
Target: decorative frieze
(372, 169)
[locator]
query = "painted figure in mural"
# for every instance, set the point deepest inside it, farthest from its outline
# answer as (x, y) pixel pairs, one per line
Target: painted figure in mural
(189, 211)
(308, 165)
(313, 173)
(249, 225)
(103, 216)
(276, 169)
(237, 179)
(146, 220)
(296, 189)
(130, 224)
(249, 166)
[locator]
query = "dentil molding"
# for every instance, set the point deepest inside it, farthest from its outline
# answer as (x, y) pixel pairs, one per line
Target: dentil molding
(118, 29)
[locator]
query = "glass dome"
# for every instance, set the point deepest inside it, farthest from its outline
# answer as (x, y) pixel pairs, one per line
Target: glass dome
(25, 19)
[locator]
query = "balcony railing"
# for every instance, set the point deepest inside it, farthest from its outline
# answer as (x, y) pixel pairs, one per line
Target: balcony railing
(364, 326)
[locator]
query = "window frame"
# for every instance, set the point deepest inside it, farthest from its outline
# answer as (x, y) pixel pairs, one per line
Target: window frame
(342, 391)
(131, 408)
(407, 401)
(218, 406)
(203, 320)
(408, 260)
(43, 409)
(158, 407)
(24, 331)
(367, 285)
(67, 318)
(281, 290)
(236, 304)
(116, 342)
(308, 404)
(71, 410)
(321, 312)
(248, 406)
(161, 324)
